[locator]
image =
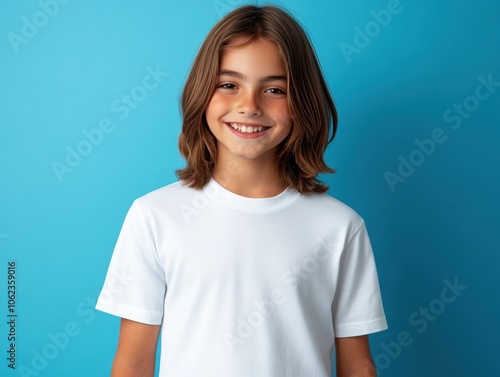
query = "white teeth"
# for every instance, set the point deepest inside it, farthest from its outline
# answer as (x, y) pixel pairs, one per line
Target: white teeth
(246, 129)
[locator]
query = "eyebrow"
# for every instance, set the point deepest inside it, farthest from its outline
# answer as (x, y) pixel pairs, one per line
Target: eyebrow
(241, 76)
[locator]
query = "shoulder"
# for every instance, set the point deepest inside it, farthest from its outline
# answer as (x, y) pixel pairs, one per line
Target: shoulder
(329, 214)
(165, 198)
(171, 191)
(327, 205)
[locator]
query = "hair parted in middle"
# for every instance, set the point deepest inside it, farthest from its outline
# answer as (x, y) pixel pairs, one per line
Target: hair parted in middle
(314, 116)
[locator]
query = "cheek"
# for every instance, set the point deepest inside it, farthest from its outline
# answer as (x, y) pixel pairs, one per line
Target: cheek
(209, 112)
(216, 108)
(284, 115)
(285, 120)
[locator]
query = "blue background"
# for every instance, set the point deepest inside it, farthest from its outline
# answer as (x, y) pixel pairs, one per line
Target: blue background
(439, 224)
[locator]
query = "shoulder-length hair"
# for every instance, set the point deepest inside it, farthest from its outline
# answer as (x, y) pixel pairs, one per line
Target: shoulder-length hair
(314, 117)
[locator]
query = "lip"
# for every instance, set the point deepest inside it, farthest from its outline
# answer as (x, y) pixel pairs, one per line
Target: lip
(246, 135)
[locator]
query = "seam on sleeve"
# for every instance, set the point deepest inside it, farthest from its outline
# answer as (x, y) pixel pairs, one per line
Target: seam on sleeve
(353, 235)
(143, 219)
(342, 257)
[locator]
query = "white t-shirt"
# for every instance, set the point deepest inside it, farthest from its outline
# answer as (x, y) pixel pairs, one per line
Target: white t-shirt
(244, 286)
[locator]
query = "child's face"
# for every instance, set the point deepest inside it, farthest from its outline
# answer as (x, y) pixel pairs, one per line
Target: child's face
(248, 113)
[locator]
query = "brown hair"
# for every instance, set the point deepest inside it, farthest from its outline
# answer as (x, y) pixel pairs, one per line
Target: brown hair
(300, 155)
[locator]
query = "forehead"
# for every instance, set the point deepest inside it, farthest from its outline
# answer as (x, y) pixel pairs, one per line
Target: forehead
(261, 53)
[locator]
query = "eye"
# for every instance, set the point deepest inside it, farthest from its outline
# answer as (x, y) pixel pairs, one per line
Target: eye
(275, 91)
(227, 86)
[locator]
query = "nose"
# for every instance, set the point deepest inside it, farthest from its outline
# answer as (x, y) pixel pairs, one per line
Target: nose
(248, 105)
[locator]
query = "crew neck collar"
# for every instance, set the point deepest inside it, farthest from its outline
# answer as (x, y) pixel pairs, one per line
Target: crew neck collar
(216, 191)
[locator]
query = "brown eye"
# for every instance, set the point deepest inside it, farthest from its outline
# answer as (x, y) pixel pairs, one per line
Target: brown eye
(227, 86)
(275, 91)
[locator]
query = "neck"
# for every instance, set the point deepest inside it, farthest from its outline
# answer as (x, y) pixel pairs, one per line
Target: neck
(248, 178)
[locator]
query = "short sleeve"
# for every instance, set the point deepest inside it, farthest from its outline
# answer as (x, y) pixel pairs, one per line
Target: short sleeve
(357, 306)
(135, 283)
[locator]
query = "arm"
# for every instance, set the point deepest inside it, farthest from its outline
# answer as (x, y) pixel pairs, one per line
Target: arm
(135, 356)
(354, 358)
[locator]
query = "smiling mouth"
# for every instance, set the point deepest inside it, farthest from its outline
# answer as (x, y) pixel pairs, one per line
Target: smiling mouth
(247, 128)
